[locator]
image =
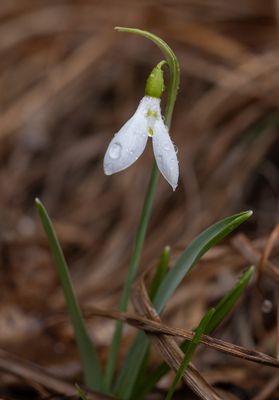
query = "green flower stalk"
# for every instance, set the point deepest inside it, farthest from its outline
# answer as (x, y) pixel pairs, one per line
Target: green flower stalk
(149, 113)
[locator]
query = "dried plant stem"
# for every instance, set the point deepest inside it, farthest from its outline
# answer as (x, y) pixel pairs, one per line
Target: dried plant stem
(156, 327)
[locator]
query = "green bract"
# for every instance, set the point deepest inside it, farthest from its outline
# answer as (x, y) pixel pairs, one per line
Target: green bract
(155, 82)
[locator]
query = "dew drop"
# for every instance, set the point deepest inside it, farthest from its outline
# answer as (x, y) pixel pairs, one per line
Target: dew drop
(266, 306)
(115, 151)
(175, 148)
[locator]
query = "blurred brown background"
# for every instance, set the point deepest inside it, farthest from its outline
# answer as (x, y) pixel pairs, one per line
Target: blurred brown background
(68, 82)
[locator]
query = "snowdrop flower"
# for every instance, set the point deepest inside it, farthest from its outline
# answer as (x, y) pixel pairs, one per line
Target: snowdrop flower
(129, 142)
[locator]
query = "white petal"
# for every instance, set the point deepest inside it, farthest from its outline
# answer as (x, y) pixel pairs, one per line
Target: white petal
(128, 144)
(149, 103)
(165, 153)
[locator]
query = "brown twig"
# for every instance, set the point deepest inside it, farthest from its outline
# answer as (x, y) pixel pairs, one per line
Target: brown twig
(168, 347)
(157, 327)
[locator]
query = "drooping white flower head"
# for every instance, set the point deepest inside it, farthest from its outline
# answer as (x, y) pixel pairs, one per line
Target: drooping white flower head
(129, 142)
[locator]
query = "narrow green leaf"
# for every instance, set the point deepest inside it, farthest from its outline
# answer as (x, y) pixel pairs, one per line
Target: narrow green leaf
(225, 306)
(160, 272)
(190, 351)
(131, 367)
(89, 360)
(222, 309)
(81, 393)
(142, 373)
(186, 261)
(194, 252)
(154, 377)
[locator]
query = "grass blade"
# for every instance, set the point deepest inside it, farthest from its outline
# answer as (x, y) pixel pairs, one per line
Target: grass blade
(188, 259)
(89, 360)
(160, 273)
(190, 351)
(131, 367)
(81, 393)
(224, 307)
(194, 252)
(154, 377)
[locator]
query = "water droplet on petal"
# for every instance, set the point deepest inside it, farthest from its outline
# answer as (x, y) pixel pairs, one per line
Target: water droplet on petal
(150, 132)
(175, 148)
(266, 306)
(115, 151)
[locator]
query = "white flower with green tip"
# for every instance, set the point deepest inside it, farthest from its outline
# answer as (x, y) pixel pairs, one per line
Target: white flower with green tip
(129, 142)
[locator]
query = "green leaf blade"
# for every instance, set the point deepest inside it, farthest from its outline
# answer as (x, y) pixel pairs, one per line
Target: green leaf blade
(88, 356)
(190, 351)
(160, 272)
(131, 367)
(224, 307)
(194, 252)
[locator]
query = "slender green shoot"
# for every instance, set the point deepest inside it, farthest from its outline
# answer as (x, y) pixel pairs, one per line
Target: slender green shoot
(161, 272)
(225, 306)
(81, 393)
(190, 351)
(88, 356)
(194, 252)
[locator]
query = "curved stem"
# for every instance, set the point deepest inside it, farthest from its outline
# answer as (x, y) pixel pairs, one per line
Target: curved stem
(172, 63)
(149, 196)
